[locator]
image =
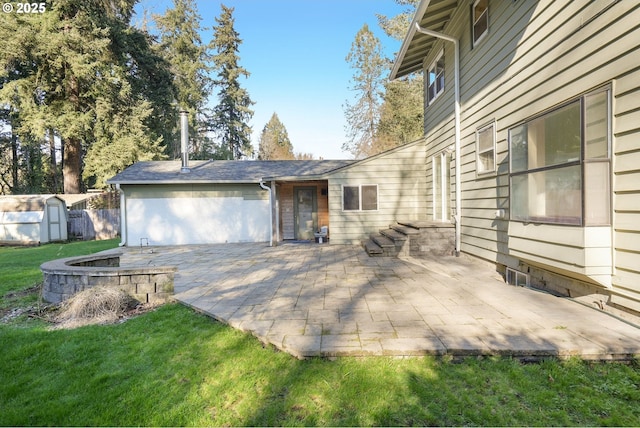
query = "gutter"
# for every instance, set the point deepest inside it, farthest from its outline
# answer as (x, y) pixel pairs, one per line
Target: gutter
(123, 218)
(267, 188)
(457, 216)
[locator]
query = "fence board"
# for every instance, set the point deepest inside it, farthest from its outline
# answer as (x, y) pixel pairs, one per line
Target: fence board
(94, 224)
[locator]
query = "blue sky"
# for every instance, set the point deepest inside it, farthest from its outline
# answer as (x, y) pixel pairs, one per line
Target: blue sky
(295, 51)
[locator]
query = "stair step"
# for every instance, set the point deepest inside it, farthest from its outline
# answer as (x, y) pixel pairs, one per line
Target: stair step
(382, 241)
(424, 224)
(405, 229)
(373, 249)
(394, 235)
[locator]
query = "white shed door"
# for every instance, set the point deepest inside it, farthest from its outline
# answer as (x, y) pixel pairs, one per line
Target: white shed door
(181, 221)
(53, 212)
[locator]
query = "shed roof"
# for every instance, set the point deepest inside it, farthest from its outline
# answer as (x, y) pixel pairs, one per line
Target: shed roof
(433, 15)
(23, 203)
(22, 209)
(224, 171)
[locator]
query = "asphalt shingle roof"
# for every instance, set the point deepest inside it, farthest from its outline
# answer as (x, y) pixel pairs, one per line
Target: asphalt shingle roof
(224, 171)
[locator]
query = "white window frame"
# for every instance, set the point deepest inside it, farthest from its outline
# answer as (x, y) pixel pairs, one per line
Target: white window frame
(583, 163)
(360, 186)
(441, 186)
(490, 127)
(474, 22)
(433, 66)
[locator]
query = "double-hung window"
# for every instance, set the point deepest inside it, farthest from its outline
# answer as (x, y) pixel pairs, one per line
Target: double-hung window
(560, 164)
(435, 76)
(360, 198)
(486, 149)
(480, 20)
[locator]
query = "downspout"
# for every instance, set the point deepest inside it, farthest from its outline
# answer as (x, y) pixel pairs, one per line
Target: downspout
(267, 188)
(123, 218)
(457, 216)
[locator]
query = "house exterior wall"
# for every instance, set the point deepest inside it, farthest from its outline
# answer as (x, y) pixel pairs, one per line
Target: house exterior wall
(536, 56)
(285, 192)
(196, 214)
(400, 176)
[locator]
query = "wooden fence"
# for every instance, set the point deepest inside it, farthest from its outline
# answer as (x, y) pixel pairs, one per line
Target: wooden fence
(94, 224)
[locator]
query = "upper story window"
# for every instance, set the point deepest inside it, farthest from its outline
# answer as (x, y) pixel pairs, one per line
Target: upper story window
(486, 149)
(435, 76)
(560, 164)
(480, 19)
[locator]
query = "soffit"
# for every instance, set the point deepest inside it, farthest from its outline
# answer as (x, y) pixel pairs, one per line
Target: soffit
(436, 14)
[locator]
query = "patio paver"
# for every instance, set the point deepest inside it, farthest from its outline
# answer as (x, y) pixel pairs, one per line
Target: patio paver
(331, 301)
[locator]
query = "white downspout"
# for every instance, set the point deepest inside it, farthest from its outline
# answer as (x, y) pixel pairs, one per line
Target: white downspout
(270, 212)
(123, 218)
(457, 216)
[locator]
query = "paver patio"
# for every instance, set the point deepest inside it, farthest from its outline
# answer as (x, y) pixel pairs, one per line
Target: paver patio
(321, 300)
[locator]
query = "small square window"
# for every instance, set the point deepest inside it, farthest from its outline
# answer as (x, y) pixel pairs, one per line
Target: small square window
(480, 19)
(369, 198)
(486, 149)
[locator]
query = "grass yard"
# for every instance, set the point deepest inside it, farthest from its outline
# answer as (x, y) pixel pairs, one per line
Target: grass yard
(173, 366)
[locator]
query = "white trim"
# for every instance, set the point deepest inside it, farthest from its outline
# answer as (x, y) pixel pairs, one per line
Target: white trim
(433, 64)
(474, 22)
(359, 186)
(491, 125)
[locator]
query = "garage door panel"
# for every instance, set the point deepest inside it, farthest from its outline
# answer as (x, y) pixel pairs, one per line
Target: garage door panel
(179, 221)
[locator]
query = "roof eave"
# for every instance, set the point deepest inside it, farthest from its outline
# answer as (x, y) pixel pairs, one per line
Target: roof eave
(420, 11)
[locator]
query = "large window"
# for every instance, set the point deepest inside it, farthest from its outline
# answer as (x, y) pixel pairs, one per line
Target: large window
(480, 19)
(435, 77)
(360, 198)
(486, 149)
(560, 164)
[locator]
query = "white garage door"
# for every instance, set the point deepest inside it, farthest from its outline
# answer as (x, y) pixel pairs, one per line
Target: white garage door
(211, 220)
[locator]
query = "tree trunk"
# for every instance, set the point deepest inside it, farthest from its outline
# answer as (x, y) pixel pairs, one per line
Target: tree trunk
(52, 160)
(72, 161)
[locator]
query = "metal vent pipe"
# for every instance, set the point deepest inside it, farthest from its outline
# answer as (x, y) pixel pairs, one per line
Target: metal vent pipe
(184, 140)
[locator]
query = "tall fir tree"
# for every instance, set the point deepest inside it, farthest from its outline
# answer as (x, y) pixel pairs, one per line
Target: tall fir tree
(274, 141)
(402, 113)
(366, 58)
(233, 112)
(81, 70)
(190, 59)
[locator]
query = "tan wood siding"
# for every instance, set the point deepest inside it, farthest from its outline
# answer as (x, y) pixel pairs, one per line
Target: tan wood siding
(536, 56)
(400, 176)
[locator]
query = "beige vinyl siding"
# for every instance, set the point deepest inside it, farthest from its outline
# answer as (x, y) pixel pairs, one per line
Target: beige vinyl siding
(626, 166)
(399, 174)
(536, 56)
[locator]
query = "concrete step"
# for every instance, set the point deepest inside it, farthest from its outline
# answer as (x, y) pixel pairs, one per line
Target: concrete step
(382, 241)
(424, 224)
(394, 235)
(407, 230)
(373, 249)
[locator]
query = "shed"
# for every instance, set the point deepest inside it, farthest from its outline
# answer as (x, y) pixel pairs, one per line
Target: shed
(32, 219)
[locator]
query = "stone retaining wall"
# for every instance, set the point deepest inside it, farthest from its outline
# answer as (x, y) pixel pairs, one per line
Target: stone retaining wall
(65, 277)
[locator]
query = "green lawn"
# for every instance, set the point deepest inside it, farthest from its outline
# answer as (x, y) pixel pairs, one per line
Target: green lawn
(176, 367)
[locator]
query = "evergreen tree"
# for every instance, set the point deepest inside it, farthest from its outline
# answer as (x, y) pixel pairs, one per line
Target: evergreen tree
(401, 117)
(233, 112)
(274, 141)
(181, 45)
(362, 117)
(81, 70)
(402, 113)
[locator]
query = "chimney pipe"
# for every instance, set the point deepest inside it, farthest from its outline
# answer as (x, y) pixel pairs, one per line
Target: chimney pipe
(184, 141)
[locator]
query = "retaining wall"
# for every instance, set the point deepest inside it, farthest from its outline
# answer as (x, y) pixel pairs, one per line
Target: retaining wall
(65, 277)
